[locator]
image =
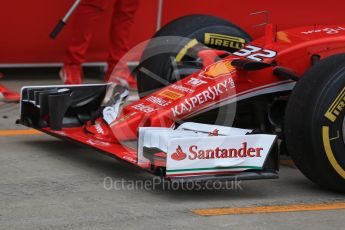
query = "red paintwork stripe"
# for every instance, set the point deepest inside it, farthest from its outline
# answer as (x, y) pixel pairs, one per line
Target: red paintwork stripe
(240, 94)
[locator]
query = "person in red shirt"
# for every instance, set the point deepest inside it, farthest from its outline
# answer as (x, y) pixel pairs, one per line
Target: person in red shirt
(86, 19)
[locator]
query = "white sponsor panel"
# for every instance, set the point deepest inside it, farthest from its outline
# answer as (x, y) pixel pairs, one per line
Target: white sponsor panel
(195, 149)
(213, 155)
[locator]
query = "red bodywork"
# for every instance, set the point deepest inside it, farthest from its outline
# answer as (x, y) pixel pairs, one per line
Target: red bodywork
(217, 84)
(7, 95)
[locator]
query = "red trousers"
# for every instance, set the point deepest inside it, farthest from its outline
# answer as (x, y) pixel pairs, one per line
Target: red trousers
(87, 18)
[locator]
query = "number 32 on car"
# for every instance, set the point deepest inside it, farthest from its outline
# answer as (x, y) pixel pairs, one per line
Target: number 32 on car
(255, 53)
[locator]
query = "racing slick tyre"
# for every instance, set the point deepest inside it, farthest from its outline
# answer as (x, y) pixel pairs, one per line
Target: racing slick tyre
(178, 37)
(315, 123)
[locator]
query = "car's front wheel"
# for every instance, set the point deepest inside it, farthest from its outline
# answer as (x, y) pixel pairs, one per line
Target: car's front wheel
(315, 123)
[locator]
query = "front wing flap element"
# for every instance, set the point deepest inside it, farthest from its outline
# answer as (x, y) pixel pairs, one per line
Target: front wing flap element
(59, 107)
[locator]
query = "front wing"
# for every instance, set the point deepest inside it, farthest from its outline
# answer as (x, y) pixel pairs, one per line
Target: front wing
(61, 111)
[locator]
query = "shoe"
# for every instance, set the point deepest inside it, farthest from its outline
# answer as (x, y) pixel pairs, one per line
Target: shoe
(121, 76)
(7, 95)
(71, 74)
(129, 83)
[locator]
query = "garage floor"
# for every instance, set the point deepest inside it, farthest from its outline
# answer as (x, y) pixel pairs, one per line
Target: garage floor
(46, 183)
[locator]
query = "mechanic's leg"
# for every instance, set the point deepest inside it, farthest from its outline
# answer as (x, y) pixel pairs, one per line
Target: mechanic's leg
(122, 21)
(86, 18)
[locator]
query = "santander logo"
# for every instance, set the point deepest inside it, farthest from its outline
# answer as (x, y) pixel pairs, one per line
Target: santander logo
(179, 155)
(195, 153)
(214, 133)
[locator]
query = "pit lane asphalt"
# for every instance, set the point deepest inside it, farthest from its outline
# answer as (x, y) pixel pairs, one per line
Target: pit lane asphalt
(46, 183)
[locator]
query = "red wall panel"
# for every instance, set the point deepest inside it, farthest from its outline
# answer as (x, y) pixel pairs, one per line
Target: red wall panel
(25, 25)
(283, 13)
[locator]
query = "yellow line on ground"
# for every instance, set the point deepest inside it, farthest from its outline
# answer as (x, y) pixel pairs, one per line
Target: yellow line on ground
(269, 209)
(19, 132)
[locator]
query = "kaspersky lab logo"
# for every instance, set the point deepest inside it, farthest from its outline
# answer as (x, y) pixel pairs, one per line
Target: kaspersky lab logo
(179, 155)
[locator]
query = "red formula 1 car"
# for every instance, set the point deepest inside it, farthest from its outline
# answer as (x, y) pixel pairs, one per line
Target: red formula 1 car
(199, 76)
